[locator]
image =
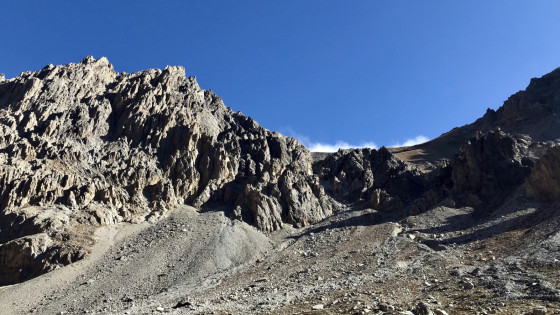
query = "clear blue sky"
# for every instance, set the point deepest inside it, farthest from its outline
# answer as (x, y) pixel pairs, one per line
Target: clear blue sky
(353, 71)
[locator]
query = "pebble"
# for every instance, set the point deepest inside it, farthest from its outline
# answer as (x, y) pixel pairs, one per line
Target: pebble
(467, 284)
(422, 309)
(539, 310)
(386, 307)
(318, 307)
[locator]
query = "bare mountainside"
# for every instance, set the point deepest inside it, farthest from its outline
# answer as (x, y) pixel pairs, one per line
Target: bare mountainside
(82, 146)
(534, 112)
(164, 200)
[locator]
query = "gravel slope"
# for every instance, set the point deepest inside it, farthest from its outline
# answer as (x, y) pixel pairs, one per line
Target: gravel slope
(134, 265)
(356, 262)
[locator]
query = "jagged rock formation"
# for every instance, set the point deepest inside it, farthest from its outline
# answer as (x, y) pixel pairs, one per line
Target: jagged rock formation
(477, 164)
(488, 167)
(93, 147)
(492, 166)
(534, 112)
(374, 177)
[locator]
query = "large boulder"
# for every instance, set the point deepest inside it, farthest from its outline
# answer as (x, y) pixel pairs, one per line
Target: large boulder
(543, 183)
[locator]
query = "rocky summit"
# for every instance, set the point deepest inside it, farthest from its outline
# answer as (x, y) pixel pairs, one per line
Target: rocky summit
(163, 200)
(82, 145)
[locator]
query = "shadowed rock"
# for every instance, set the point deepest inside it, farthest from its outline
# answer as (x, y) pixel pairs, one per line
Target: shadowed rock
(543, 183)
(372, 177)
(489, 168)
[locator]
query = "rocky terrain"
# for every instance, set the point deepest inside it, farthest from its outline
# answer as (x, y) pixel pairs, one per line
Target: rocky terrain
(160, 199)
(82, 146)
(375, 178)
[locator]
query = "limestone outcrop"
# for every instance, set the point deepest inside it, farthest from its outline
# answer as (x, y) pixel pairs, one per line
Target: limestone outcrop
(101, 147)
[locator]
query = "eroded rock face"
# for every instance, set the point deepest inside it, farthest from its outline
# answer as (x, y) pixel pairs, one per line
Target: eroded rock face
(38, 239)
(489, 167)
(374, 177)
(19, 258)
(107, 147)
(543, 183)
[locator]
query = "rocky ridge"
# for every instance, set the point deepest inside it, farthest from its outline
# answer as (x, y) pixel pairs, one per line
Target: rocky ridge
(534, 111)
(490, 167)
(82, 145)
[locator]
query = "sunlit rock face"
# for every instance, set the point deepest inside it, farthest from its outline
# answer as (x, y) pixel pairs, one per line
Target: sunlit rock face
(82, 145)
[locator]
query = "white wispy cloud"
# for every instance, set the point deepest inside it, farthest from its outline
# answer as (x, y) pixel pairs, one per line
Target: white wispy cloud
(413, 141)
(325, 147)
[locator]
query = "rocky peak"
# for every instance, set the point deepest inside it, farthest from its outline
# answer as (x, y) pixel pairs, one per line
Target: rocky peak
(534, 112)
(98, 147)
